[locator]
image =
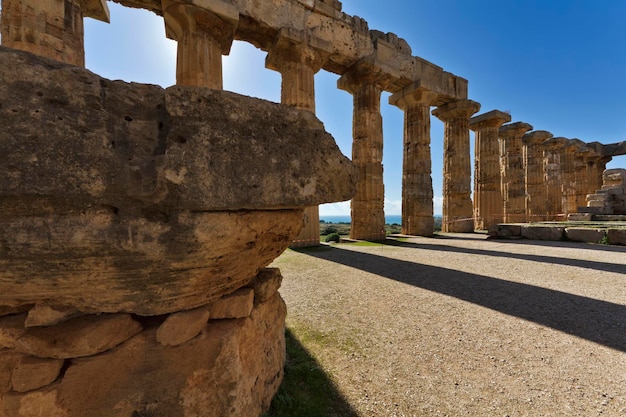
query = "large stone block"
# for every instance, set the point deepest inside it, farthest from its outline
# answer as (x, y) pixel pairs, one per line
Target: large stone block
(127, 197)
(585, 234)
(616, 236)
(543, 232)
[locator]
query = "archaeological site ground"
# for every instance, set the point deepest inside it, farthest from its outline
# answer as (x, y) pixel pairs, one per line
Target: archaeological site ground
(143, 231)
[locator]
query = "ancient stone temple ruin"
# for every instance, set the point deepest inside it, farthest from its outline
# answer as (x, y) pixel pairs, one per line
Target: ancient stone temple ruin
(137, 222)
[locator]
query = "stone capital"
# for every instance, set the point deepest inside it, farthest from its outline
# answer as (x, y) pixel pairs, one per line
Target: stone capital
(494, 118)
(459, 109)
(367, 71)
(413, 95)
(555, 143)
(536, 137)
(96, 9)
(294, 46)
(573, 145)
(215, 17)
(513, 130)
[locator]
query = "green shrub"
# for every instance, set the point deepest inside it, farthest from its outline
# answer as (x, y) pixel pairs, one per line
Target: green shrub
(330, 230)
(333, 237)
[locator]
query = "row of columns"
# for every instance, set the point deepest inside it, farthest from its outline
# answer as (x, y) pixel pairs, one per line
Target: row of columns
(523, 175)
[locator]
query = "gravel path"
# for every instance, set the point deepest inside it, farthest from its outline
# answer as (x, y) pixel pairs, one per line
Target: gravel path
(464, 326)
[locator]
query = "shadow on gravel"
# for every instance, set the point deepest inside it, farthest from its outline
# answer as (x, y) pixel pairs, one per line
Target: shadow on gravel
(600, 266)
(594, 320)
(306, 391)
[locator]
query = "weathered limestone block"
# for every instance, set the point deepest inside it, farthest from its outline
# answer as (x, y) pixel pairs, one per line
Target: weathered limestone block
(176, 196)
(233, 306)
(11, 329)
(232, 369)
(585, 234)
(183, 326)
(83, 336)
(47, 315)
(266, 284)
(33, 373)
(505, 231)
(543, 232)
(616, 236)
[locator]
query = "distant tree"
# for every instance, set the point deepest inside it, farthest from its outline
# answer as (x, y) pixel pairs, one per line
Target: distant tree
(329, 230)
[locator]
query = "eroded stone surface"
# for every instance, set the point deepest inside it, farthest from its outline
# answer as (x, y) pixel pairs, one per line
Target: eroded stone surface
(266, 284)
(32, 373)
(141, 377)
(182, 326)
(585, 234)
(47, 315)
(543, 232)
(232, 306)
(11, 329)
(79, 337)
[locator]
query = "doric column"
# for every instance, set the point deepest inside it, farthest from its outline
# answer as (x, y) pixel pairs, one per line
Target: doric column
(204, 32)
(536, 204)
(52, 29)
(568, 176)
(297, 58)
(457, 204)
(488, 203)
(417, 183)
(512, 171)
(366, 82)
(552, 156)
(581, 178)
(596, 164)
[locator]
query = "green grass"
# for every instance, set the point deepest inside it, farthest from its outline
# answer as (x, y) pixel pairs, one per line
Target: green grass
(307, 391)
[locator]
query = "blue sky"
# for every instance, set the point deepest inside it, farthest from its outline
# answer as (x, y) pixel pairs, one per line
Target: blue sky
(559, 65)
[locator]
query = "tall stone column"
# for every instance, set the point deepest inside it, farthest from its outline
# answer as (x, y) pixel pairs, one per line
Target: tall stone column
(568, 176)
(366, 85)
(52, 29)
(457, 204)
(204, 32)
(417, 183)
(552, 156)
(297, 58)
(582, 180)
(596, 164)
(488, 203)
(512, 171)
(536, 205)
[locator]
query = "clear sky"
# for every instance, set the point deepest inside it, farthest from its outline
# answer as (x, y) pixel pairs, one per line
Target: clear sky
(559, 65)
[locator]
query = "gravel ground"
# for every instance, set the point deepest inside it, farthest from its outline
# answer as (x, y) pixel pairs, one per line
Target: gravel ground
(464, 326)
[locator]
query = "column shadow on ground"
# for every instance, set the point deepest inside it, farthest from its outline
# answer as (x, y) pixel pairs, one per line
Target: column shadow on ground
(306, 390)
(595, 320)
(581, 263)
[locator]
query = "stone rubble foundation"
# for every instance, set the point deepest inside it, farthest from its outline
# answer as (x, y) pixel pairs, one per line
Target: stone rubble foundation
(124, 365)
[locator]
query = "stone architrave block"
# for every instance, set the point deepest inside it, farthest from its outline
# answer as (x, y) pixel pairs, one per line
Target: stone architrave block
(266, 284)
(182, 326)
(585, 234)
(543, 232)
(83, 336)
(33, 373)
(47, 315)
(11, 329)
(233, 306)
(616, 236)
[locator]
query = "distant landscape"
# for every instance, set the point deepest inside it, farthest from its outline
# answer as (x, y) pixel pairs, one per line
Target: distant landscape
(335, 227)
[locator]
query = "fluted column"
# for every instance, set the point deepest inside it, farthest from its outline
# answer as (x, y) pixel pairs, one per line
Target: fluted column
(457, 204)
(488, 203)
(568, 177)
(52, 29)
(298, 58)
(512, 171)
(417, 183)
(596, 164)
(536, 204)
(204, 32)
(366, 84)
(552, 156)
(582, 180)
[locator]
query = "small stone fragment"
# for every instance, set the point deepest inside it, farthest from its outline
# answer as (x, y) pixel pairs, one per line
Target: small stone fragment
(82, 336)
(47, 315)
(33, 373)
(183, 326)
(266, 284)
(233, 306)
